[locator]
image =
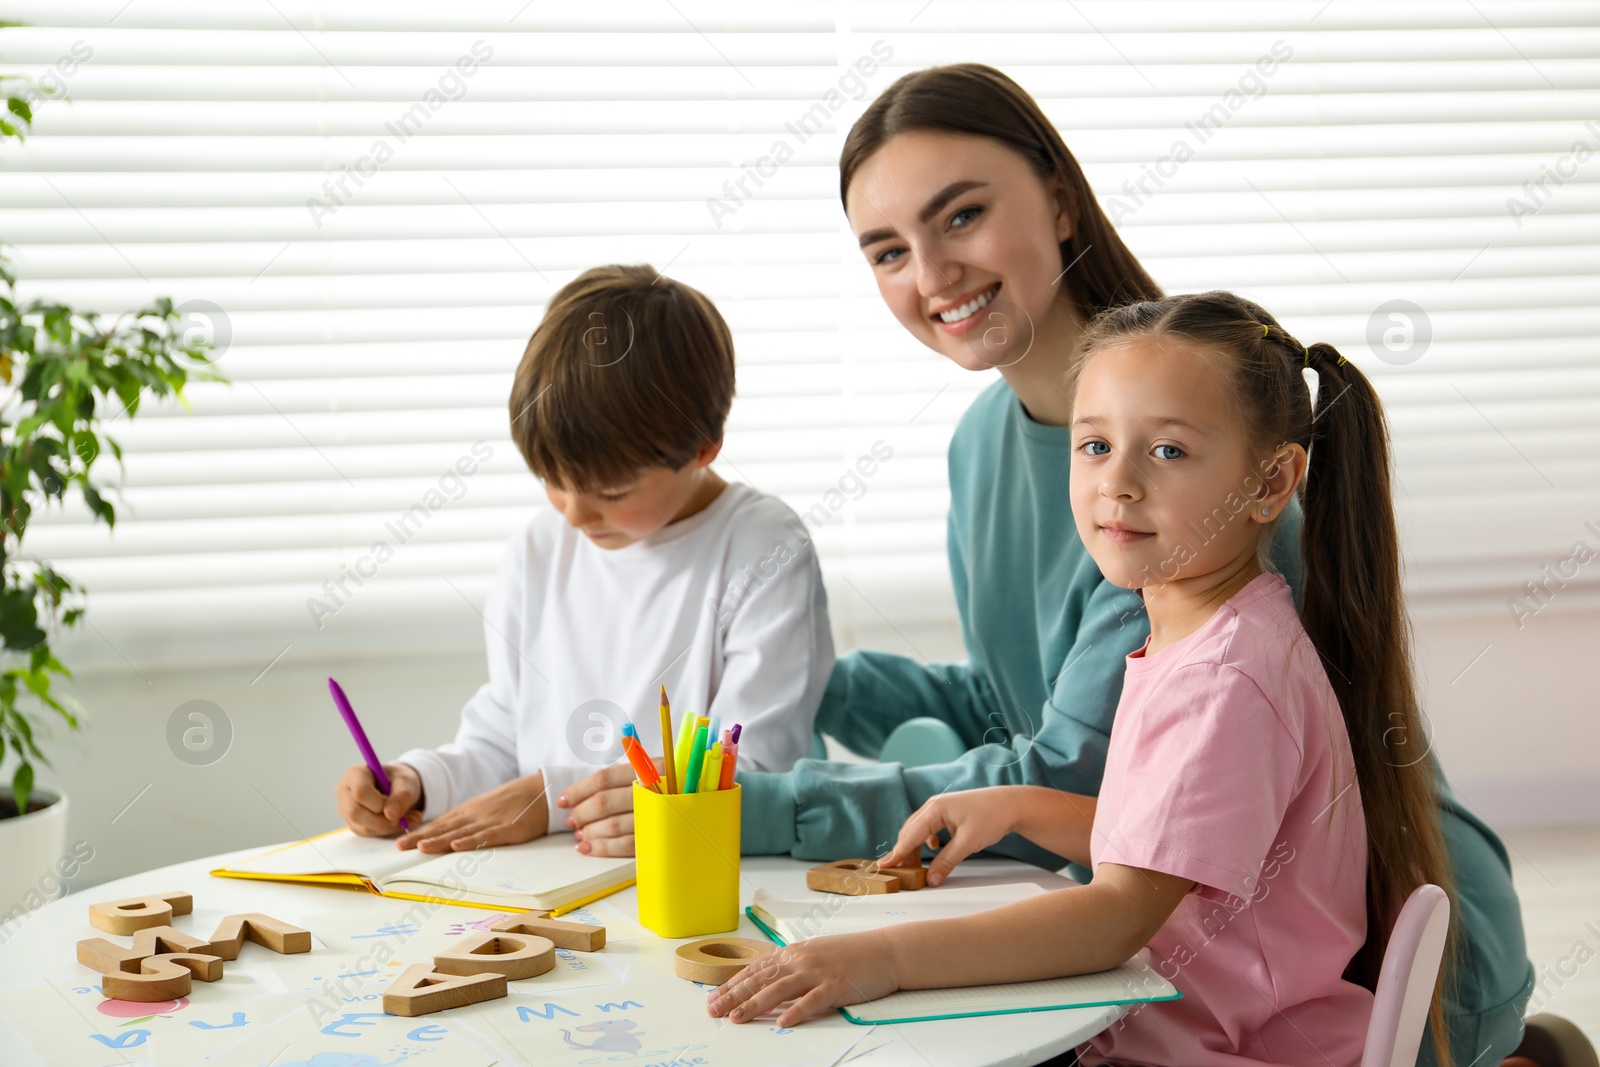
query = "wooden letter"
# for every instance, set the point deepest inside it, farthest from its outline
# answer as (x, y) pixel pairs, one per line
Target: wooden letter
(163, 977)
(514, 955)
(235, 930)
(853, 878)
(132, 914)
(910, 877)
(101, 955)
(717, 959)
(422, 991)
(109, 958)
(580, 937)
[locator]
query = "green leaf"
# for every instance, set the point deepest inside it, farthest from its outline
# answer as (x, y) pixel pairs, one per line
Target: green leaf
(37, 684)
(19, 621)
(22, 785)
(25, 732)
(20, 109)
(99, 505)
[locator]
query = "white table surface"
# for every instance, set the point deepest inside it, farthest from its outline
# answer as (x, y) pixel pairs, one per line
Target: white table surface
(44, 945)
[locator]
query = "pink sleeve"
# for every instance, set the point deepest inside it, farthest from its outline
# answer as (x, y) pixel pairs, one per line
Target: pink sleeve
(1204, 780)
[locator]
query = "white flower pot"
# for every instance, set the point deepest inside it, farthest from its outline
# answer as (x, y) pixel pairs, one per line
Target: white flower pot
(31, 847)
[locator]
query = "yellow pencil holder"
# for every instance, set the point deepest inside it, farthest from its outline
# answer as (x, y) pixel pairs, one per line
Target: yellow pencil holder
(686, 847)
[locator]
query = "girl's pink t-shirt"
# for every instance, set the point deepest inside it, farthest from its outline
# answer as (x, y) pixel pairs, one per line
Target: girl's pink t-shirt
(1229, 765)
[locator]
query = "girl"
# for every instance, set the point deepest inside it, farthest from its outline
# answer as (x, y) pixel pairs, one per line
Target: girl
(1259, 824)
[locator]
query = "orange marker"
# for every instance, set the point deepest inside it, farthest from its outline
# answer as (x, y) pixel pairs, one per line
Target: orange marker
(730, 755)
(642, 765)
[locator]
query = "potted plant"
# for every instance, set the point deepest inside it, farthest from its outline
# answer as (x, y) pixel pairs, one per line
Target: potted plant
(64, 374)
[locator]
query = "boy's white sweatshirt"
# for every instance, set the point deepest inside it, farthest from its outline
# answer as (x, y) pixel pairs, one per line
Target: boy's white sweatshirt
(726, 608)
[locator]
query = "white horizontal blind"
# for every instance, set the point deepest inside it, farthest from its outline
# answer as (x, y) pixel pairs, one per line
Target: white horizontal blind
(379, 198)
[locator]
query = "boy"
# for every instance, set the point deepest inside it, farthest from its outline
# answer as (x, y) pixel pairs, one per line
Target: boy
(648, 569)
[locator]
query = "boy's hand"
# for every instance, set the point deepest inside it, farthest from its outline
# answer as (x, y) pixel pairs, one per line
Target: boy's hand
(818, 974)
(602, 811)
(371, 814)
(976, 819)
(506, 815)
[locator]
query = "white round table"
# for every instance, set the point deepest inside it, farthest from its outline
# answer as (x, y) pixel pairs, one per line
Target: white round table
(42, 949)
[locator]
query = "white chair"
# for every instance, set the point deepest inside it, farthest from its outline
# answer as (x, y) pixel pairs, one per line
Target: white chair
(1405, 985)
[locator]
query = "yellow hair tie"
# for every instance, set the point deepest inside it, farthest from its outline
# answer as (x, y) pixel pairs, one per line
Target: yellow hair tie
(1265, 329)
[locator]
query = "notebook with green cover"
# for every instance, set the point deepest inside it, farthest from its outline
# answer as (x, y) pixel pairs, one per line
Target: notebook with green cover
(788, 921)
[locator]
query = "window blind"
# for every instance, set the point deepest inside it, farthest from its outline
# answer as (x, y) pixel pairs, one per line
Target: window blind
(368, 205)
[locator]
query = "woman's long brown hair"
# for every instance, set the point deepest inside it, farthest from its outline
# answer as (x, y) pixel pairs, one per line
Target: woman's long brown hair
(972, 99)
(1352, 604)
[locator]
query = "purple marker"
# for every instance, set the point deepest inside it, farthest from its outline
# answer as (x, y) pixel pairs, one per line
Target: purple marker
(343, 704)
(736, 729)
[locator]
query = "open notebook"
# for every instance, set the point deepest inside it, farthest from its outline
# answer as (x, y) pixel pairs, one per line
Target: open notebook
(542, 875)
(786, 921)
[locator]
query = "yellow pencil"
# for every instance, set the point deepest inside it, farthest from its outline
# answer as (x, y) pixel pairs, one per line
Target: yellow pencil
(576, 904)
(666, 743)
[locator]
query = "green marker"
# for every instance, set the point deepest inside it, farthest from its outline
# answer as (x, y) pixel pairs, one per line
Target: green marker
(697, 757)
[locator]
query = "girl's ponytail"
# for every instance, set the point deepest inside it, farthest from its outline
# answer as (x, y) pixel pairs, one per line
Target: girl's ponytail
(1354, 613)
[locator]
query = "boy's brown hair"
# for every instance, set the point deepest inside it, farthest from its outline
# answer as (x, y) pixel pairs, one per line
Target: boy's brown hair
(627, 370)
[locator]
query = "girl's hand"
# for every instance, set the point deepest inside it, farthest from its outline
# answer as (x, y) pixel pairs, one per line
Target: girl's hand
(818, 975)
(975, 818)
(602, 811)
(371, 814)
(506, 815)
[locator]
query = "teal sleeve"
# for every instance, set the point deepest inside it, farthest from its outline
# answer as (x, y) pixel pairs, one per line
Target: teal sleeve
(822, 810)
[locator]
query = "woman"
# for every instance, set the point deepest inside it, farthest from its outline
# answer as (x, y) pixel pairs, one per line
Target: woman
(989, 247)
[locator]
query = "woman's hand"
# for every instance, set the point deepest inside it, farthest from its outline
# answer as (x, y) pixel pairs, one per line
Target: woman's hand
(818, 975)
(602, 811)
(371, 814)
(975, 818)
(506, 815)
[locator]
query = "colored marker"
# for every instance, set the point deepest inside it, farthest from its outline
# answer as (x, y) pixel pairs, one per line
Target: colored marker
(725, 770)
(714, 731)
(736, 729)
(711, 777)
(666, 743)
(685, 738)
(642, 766)
(697, 758)
(342, 702)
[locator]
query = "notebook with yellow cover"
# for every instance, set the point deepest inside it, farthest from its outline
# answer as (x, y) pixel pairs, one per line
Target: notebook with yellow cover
(543, 875)
(787, 921)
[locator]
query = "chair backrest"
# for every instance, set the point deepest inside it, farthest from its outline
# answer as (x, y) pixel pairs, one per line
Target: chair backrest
(1405, 985)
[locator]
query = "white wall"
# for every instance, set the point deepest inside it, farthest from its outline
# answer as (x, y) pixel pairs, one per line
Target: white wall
(1514, 713)
(1518, 733)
